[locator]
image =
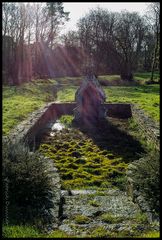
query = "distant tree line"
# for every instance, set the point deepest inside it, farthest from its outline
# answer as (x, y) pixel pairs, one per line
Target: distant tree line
(116, 43)
(120, 42)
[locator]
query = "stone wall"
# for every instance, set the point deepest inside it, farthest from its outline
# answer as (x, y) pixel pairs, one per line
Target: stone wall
(118, 110)
(39, 119)
(136, 194)
(149, 128)
(151, 131)
(29, 128)
(51, 213)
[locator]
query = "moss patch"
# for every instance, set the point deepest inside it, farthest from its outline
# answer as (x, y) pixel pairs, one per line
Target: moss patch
(81, 219)
(91, 159)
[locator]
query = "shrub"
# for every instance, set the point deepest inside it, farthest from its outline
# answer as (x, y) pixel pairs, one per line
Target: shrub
(146, 177)
(28, 184)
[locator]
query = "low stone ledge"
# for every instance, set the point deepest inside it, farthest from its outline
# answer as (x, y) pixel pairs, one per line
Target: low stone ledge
(118, 110)
(51, 213)
(29, 128)
(136, 195)
(149, 128)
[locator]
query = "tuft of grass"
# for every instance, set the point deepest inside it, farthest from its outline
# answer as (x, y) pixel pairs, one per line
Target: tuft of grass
(150, 234)
(27, 231)
(109, 218)
(141, 218)
(67, 94)
(94, 203)
(20, 231)
(81, 219)
(66, 120)
(100, 232)
(57, 234)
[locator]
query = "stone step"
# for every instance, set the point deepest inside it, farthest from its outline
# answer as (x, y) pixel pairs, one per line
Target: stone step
(87, 210)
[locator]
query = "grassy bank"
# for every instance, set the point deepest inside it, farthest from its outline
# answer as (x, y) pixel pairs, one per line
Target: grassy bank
(146, 96)
(16, 231)
(20, 101)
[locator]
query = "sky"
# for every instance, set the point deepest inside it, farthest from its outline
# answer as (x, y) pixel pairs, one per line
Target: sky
(79, 9)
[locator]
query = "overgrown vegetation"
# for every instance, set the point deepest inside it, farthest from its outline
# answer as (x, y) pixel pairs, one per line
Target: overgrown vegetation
(85, 160)
(19, 231)
(25, 178)
(81, 219)
(146, 177)
(109, 218)
(27, 231)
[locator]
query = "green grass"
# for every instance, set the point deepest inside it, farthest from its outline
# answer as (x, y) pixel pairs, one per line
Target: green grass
(67, 94)
(17, 231)
(20, 101)
(23, 231)
(109, 218)
(66, 120)
(76, 81)
(145, 76)
(139, 77)
(20, 232)
(146, 97)
(109, 77)
(150, 234)
(81, 219)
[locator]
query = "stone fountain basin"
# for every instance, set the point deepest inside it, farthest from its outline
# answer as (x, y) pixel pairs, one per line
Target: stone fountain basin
(40, 120)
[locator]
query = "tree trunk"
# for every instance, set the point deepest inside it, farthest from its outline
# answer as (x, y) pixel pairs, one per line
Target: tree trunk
(153, 63)
(126, 72)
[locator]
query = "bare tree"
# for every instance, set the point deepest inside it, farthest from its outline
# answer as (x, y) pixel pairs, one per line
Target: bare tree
(95, 32)
(53, 16)
(71, 38)
(154, 16)
(114, 39)
(128, 36)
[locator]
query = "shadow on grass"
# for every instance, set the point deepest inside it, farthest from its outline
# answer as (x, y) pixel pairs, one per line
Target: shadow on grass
(109, 137)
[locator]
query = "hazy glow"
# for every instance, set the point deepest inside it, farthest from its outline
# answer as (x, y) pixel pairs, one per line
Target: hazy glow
(79, 9)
